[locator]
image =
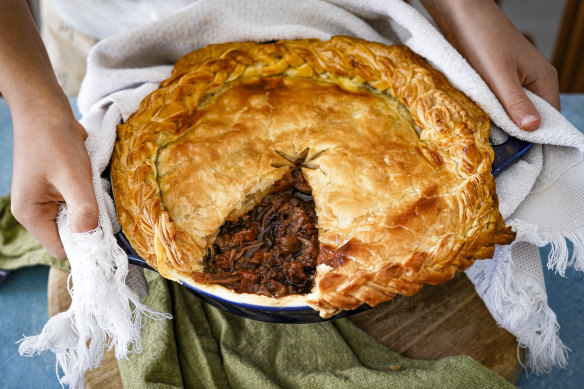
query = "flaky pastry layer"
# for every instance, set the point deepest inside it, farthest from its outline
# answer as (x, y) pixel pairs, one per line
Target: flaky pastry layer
(398, 161)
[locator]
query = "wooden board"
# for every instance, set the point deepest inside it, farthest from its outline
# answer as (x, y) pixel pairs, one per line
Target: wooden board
(439, 321)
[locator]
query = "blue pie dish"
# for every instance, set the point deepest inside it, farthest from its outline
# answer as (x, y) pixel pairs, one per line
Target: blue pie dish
(505, 155)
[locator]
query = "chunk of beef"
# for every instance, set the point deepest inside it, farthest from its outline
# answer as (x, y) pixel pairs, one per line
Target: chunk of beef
(273, 249)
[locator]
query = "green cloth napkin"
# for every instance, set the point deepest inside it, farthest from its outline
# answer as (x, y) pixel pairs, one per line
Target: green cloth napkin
(203, 347)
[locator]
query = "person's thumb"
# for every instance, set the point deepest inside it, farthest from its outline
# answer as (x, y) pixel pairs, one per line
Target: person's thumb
(81, 205)
(518, 106)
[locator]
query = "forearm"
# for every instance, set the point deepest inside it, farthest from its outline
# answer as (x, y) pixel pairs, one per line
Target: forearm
(27, 81)
(51, 164)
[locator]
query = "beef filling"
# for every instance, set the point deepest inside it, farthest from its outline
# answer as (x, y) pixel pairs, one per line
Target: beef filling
(273, 249)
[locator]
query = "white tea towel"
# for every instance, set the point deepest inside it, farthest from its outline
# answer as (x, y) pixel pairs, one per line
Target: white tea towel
(123, 69)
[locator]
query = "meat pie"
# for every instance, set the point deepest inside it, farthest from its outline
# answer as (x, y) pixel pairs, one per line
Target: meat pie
(333, 173)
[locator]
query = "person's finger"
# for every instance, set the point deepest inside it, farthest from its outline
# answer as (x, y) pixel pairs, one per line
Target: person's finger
(77, 191)
(39, 220)
(518, 106)
(82, 207)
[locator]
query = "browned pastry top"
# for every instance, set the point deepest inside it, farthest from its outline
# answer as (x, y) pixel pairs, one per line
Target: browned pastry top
(397, 159)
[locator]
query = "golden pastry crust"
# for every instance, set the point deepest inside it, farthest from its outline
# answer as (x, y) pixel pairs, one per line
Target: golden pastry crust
(400, 169)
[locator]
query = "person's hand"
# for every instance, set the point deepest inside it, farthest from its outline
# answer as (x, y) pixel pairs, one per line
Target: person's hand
(51, 165)
(505, 59)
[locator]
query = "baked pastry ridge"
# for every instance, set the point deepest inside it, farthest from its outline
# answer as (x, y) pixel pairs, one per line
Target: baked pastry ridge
(397, 159)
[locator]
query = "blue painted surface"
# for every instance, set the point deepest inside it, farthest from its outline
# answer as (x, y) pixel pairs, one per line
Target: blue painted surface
(23, 311)
(23, 299)
(573, 109)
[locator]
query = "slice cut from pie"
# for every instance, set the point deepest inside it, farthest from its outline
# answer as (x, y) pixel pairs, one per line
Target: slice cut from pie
(333, 173)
